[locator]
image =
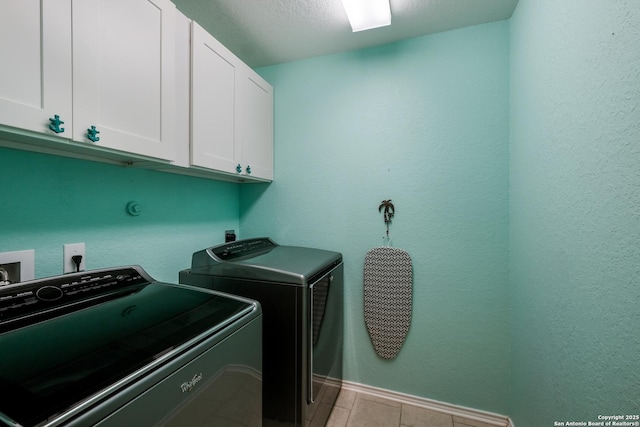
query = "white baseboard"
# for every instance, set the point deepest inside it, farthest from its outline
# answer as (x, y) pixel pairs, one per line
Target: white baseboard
(433, 405)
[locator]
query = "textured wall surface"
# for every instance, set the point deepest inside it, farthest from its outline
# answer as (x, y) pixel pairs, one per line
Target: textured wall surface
(545, 229)
(50, 201)
(575, 210)
(423, 122)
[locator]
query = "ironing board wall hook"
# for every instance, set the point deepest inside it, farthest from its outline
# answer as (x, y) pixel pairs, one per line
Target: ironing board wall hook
(389, 211)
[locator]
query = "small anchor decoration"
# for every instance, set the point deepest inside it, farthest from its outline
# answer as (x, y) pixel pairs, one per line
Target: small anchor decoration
(55, 124)
(92, 134)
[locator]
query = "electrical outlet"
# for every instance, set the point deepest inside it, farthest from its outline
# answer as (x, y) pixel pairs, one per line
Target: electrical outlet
(69, 251)
(19, 265)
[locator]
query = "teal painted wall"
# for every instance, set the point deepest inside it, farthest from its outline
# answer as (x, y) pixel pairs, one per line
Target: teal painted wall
(575, 210)
(511, 153)
(423, 122)
(50, 201)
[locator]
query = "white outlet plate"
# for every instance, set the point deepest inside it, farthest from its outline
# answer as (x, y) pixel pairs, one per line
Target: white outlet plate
(26, 259)
(69, 250)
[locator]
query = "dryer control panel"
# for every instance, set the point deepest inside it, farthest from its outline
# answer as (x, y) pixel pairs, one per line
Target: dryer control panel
(242, 248)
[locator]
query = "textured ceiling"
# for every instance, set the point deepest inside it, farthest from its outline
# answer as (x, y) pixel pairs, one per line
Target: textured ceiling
(266, 32)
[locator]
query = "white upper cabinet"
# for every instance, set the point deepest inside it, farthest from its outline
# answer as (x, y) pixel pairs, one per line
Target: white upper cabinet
(213, 79)
(131, 81)
(255, 124)
(35, 76)
(231, 112)
(124, 75)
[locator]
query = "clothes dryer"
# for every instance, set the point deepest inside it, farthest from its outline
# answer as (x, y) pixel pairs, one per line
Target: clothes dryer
(301, 293)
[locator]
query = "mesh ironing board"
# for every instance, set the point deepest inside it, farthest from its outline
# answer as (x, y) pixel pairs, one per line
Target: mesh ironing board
(388, 294)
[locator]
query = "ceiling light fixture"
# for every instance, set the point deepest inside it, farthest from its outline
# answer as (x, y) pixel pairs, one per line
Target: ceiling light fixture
(367, 14)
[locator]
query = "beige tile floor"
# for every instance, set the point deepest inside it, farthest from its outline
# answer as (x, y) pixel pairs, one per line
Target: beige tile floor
(354, 409)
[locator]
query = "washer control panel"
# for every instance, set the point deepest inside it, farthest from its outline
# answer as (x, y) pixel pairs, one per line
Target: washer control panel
(36, 297)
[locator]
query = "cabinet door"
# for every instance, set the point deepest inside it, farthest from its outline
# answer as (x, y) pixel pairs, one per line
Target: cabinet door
(123, 75)
(213, 79)
(255, 119)
(35, 76)
(183, 90)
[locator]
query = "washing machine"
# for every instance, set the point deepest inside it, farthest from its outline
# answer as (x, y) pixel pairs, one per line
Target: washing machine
(301, 293)
(113, 347)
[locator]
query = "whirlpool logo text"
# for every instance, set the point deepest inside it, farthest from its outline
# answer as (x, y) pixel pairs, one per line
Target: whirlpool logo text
(187, 386)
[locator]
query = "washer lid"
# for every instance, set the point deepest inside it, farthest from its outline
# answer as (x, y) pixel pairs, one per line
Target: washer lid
(54, 365)
(262, 259)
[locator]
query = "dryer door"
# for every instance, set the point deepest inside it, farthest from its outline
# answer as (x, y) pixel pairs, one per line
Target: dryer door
(325, 326)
